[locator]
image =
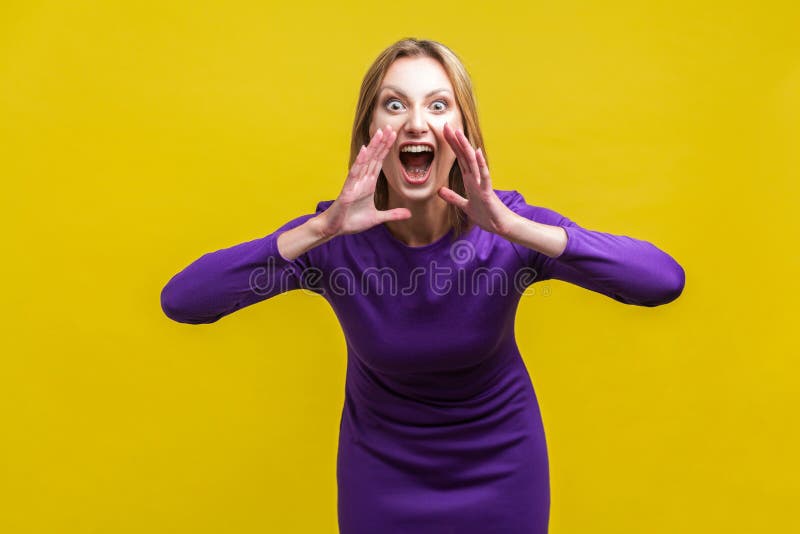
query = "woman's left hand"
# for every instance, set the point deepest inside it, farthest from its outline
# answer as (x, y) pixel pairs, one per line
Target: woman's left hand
(482, 206)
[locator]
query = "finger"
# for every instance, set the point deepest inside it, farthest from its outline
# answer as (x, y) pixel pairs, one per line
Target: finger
(381, 152)
(374, 171)
(358, 164)
(374, 143)
(486, 181)
(452, 140)
(388, 142)
(465, 154)
(452, 197)
(381, 149)
(450, 137)
(396, 214)
(369, 154)
(471, 162)
(360, 157)
(375, 140)
(386, 138)
(360, 167)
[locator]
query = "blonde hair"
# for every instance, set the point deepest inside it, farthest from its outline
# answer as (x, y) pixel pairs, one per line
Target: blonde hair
(462, 86)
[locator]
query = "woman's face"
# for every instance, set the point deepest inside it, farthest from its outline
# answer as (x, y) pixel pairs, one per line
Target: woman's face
(416, 98)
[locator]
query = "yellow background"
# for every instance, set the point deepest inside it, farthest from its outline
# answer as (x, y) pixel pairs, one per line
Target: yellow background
(137, 136)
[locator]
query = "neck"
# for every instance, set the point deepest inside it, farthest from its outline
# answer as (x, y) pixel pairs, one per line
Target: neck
(428, 222)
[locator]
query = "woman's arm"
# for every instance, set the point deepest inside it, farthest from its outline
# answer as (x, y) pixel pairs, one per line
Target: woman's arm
(219, 283)
(626, 269)
(544, 238)
(300, 239)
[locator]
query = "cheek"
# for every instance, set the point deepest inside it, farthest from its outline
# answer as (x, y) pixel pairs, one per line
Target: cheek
(381, 119)
(446, 155)
(453, 117)
(446, 159)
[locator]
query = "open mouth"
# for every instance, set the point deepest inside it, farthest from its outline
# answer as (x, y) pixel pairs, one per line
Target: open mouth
(416, 161)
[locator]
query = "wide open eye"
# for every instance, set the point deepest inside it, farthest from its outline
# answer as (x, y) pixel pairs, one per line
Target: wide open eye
(443, 105)
(389, 102)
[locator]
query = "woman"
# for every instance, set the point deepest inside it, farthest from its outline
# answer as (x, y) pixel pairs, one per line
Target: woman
(424, 264)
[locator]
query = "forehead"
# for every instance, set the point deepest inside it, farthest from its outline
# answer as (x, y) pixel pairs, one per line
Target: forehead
(416, 74)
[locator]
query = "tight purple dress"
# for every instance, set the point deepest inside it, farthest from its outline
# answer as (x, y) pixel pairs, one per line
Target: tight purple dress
(440, 430)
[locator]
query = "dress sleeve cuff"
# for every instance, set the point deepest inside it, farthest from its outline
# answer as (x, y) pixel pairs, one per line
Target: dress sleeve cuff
(572, 238)
(271, 250)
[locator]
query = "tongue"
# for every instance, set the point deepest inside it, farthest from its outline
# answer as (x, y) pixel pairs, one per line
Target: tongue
(416, 160)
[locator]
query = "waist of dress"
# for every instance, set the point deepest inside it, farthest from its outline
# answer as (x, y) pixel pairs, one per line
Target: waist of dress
(437, 399)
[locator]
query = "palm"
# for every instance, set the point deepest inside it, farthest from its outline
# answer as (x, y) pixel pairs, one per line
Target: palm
(482, 206)
(354, 209)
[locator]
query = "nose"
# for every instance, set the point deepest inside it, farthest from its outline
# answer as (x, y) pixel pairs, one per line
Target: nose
(416, 123)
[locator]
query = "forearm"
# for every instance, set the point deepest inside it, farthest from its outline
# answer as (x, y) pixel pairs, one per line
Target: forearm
(626, 269)
(544, 238)
(300, 239)
(220, 282)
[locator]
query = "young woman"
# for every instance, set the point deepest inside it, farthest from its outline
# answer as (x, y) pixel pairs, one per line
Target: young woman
(424, 264)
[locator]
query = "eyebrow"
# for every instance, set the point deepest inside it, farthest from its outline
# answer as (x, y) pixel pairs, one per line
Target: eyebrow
(401, 93)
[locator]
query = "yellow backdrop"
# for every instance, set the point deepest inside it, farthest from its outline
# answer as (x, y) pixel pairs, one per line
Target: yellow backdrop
(137, 136)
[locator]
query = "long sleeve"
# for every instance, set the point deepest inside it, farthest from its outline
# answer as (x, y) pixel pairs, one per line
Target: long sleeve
(219, 283)
(629, 270)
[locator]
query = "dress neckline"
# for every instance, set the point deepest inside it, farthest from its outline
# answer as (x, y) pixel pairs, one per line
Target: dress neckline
(444, 239)
(399, 243)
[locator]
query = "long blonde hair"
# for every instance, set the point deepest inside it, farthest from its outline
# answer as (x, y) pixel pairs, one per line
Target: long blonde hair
(462, 85)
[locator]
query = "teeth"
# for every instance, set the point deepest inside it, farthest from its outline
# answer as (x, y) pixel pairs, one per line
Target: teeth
(416, 148)
(416, 173)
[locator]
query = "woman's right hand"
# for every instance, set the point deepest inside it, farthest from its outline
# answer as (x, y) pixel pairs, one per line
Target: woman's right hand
(354, 209)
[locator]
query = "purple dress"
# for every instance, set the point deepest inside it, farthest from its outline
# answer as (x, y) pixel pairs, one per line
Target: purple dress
(440, 429)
